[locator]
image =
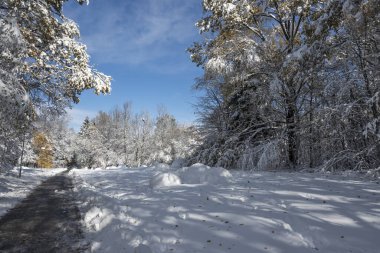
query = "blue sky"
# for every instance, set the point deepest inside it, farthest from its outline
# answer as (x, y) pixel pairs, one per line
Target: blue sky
(142, 45)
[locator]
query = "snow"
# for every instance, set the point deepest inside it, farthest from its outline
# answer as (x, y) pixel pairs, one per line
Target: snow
(164, 180)
(229, 8)
(14, 189)
(248, 212)
(202, 174)
(143, 249)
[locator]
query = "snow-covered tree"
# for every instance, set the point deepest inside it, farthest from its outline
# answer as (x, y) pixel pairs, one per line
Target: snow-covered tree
(350, 115)
(165, 134)
(42, 64)
(15, 107)
(271, 71)
(134, 139)
(90, 149)
(61, 137)
(56, 65)
(142, 132)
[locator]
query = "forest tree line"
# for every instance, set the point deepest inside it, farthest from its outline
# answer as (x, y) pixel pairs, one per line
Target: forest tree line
(289, 84)
(119, 137)
(286, 84)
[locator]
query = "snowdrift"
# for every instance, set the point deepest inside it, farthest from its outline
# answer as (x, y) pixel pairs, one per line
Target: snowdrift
(201, 174)
(195, 174)
(164, 180)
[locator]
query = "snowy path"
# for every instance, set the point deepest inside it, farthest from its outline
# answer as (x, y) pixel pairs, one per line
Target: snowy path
(14, 189)
(48, 220)
(260, 212)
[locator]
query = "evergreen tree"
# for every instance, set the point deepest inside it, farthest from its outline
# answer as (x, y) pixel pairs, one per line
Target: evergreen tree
(73, 162)
(89, 146)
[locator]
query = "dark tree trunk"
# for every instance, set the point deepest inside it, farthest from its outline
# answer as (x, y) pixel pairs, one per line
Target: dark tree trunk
(22, 155)
(311, 133)
(292, 134)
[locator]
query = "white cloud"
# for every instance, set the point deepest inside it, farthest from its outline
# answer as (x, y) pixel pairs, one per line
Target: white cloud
(138, 32)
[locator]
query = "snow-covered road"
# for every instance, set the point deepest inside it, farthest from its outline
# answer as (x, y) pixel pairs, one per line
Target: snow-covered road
(14, 189)
(251, 212)
(47, 220)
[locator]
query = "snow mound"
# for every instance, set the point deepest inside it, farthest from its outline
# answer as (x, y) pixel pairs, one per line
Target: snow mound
(202, 174)
(164, 180)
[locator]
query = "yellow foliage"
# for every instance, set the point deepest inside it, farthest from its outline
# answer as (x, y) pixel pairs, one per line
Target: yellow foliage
(43, 149)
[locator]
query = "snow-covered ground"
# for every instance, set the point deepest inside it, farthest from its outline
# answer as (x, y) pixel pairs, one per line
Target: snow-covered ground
(141, 210)
(14, 189)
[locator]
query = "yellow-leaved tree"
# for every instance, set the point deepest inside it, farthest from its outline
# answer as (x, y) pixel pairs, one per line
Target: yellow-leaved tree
(43, 149)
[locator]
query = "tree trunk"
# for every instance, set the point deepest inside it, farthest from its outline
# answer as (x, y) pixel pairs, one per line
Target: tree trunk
(291, 130)
(311, 134)
(22, 155)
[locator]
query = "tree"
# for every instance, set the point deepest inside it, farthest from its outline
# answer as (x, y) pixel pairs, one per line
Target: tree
(142, 131)
(89, 146)
(43, 149)
(126, 121)
(134, 139)
(272, 73)
(61, 137)
(42, 64)
(165, 133)
(16, 112)
(56, 67)
(73, 162)
(351, 77)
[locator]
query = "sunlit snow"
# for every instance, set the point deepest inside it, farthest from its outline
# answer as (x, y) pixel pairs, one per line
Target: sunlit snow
(243, 213)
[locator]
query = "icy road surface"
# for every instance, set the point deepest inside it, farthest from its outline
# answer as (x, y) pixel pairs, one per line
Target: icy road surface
(250, 212)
